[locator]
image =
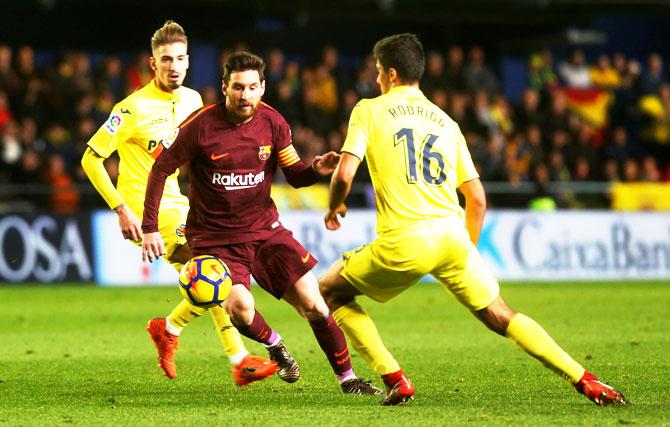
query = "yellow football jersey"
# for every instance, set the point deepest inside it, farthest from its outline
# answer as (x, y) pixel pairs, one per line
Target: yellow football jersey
(416, 154)
(135, 128)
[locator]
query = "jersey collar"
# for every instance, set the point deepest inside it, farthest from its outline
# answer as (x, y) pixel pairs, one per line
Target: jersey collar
(404, 89)
(167, 96)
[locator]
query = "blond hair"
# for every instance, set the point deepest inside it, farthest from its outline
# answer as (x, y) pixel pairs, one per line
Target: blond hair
(170, 32)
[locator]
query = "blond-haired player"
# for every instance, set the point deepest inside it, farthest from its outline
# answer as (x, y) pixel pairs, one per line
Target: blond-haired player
(135, 128)
(417, 158)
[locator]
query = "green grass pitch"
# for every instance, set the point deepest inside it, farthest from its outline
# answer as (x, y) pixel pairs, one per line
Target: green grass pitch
(79, 355)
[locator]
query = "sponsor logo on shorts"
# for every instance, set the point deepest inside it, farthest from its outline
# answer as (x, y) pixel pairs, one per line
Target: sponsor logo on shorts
(305, 259)
(237, 181)
(113, 123)
(264, 152)
(180, 230)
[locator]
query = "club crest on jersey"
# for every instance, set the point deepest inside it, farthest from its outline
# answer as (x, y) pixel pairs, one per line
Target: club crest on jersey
(264, 152)
(113, 123)
(167, 141)
(180, 230)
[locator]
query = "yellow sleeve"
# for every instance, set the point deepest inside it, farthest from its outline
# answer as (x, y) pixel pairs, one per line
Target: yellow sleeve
(95, 170)
(117, 128)
(465, 168)
(358, 135)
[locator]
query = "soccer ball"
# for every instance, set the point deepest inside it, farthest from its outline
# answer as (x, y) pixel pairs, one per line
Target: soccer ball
(205, 281)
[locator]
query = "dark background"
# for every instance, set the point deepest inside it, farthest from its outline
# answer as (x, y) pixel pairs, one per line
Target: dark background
(508, 30)
(351, 24)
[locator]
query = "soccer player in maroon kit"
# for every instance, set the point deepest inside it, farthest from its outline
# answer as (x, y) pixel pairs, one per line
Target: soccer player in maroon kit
(234, 148)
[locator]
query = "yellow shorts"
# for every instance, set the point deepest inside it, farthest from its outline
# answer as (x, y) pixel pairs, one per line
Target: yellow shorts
(171, 224)
(397, 260)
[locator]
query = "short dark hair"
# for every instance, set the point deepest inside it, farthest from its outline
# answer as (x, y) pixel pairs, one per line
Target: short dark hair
(243, 61)
(404, 53)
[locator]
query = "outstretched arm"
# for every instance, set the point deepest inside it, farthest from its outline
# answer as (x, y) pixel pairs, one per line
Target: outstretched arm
(300, 175)
(93, 165)
(340, 185)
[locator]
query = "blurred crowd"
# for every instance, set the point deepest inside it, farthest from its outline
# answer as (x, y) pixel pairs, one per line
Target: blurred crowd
(49, 112)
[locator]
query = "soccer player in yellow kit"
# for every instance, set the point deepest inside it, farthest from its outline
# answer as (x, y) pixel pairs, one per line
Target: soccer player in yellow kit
(417, 158)
(135, 128)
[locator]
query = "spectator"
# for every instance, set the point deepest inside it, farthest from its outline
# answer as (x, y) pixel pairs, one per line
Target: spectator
(611, 171)
(618, 147)
(210, 95)
(603, 75)
(440, 98)
(656, 109)
(6, 115)
(273, 75)
(654, 77)
(10, 149)
(433, 78)
(575, 73)
(292, 78)
(29, 99)
(585, 148)
(9, 82)
(650, 171)
(460, 111)
(482, 109)
(325, 88)
(631, 170)
(558, 171)
(535, 145)
(139, 73)
(349, 101)
(529, 112)
(29, 173)
(502, 114)
(366, 81)
(64, 195)
(478, 77)
(110, 77)
(29, 137)
(287, 104)
(453, 74)
(330, 59)
(541, 75)
(558, 116)
(542, 199)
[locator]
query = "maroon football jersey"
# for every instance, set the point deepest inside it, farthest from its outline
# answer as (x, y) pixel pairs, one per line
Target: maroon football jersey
(231, 172)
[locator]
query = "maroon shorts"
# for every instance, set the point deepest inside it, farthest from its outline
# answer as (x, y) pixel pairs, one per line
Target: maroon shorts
(276, 263)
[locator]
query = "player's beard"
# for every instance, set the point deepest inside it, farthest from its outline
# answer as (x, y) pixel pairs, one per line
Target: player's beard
(240, 115)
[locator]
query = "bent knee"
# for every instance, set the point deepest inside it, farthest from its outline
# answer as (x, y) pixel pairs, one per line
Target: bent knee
(496, 316)
(240, 310)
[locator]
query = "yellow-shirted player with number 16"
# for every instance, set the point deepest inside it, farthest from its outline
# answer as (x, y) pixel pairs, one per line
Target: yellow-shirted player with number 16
(138, 127)
(417, 158)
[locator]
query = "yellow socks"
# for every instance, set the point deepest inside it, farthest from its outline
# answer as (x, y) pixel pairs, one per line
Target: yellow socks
(530, 336)
(181, 315)
(363, 336)
(230, 338)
